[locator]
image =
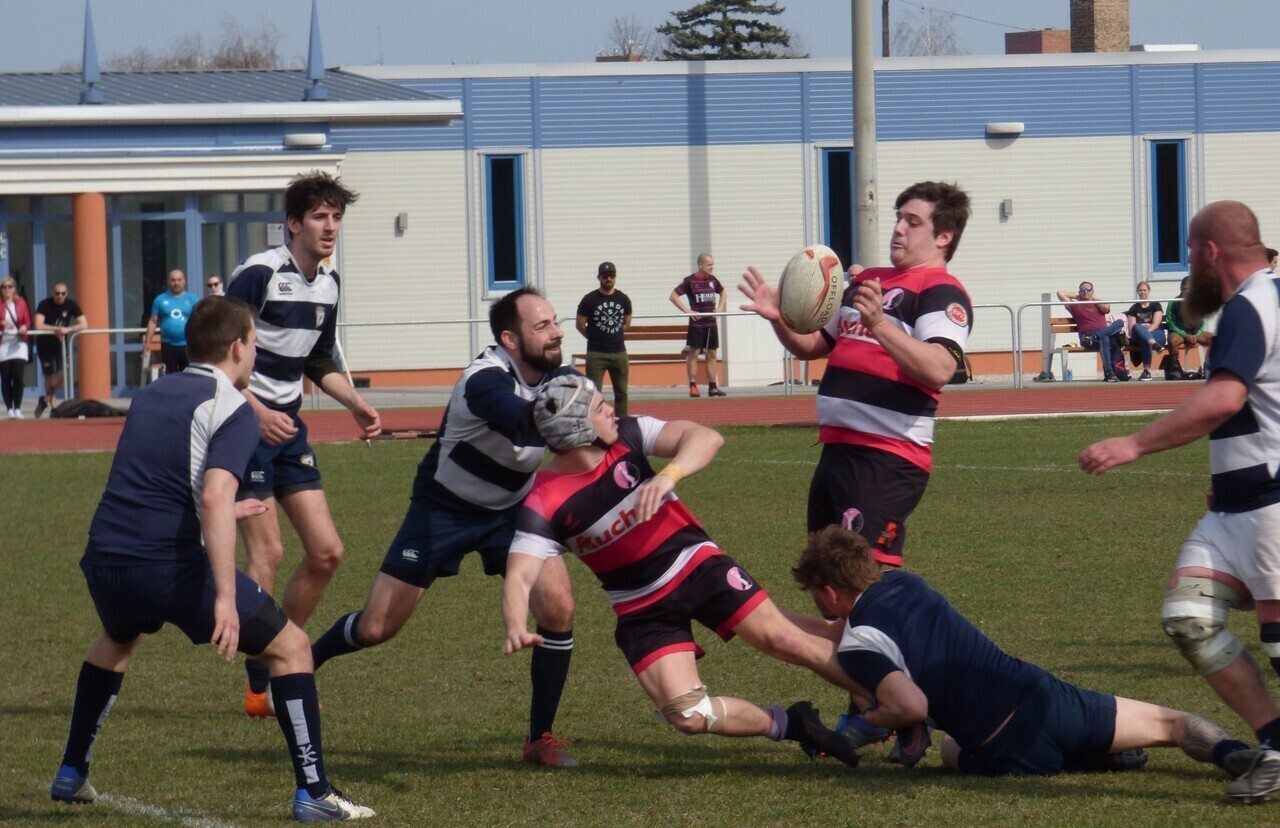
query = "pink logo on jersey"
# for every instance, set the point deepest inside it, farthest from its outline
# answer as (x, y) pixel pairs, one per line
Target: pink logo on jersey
(893, 298)
(957, 314)
(738, 579)
(852, 520)
(626, 474)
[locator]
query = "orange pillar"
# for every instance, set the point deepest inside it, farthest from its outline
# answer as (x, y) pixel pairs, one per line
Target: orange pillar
(93, 352)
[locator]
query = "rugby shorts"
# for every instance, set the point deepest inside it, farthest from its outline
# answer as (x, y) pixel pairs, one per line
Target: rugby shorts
(1245, 545)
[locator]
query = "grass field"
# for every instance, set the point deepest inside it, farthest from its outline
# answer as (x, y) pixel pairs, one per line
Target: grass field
(1058, 568)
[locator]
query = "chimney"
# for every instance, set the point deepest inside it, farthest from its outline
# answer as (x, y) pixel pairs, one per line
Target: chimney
(1043, 42)
(1099, 25)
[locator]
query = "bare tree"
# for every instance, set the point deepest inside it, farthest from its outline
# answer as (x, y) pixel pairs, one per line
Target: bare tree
(630, 39)
(239, 48)
(932, 34)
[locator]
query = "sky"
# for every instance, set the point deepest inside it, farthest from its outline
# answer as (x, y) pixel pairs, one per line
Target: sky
(42, 35)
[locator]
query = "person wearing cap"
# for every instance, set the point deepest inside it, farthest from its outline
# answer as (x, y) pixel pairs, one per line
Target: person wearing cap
(1092, 325)
(604, 314)
(466, 496)
(600, 498)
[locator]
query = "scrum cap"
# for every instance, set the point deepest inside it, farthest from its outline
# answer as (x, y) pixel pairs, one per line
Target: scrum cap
(562, 412)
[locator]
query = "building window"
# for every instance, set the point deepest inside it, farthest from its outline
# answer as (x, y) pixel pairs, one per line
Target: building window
(504, 221)
(1168, 206)
(837, 202)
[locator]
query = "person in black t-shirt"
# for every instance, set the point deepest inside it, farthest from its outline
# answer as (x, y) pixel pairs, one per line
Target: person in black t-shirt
(604, 315)
(58, 313)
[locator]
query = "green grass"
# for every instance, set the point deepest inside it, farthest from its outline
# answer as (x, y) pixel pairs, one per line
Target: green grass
(1059, 568)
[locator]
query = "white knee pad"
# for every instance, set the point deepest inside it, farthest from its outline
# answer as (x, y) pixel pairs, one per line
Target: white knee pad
(1194, 615)
(696, 701)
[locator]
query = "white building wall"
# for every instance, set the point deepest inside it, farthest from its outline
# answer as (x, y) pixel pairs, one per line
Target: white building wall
(1238, 166)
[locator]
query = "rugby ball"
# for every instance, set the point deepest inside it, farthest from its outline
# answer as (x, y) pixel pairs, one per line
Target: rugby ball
(810, 290)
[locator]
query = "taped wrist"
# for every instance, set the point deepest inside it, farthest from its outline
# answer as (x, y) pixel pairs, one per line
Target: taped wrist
(673, 472)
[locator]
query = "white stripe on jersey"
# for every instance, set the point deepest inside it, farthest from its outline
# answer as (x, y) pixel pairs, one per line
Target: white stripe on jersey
(873, 420)
(205, 422)
(620, 596)
(938, 325)
(872, 640)
(290, 342)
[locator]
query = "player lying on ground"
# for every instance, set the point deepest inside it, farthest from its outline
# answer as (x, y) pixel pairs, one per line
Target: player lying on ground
(162, 549)
(600, 499)
(921, 660)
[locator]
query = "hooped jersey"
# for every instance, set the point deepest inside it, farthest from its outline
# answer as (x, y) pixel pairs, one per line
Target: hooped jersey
(297, 320)
(703, 293)
(867, 399)
(1244, 452)
(593, 515)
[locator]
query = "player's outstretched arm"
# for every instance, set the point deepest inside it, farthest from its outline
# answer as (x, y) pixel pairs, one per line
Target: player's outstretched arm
(522, 572)
(763, 301)
(1206, 409)
(691, 447)
(218, 525)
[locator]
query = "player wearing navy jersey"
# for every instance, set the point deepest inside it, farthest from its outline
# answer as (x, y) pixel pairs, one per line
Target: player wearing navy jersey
(162, 550)
(705, 295)
(1232, 558)
(921, 660)
(465, 497)
(897, 339)
(600, 499)
(295, 292)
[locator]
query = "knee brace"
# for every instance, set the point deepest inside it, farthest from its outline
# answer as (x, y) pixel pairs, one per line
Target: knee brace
(1194, 615)
(696, 701)
(1271, 644)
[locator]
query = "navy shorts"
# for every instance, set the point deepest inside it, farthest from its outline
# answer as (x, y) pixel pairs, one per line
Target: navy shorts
(703, 338)
(867, 491)
(137, 600)
(718, 594)
(434, 539)
(275, 471)
(1058, 727)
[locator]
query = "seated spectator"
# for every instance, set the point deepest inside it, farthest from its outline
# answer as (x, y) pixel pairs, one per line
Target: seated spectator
(1091, 323)
(1147, 321)
(1184, 334)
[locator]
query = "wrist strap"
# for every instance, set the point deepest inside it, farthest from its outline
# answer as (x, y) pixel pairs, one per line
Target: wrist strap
(673, 472)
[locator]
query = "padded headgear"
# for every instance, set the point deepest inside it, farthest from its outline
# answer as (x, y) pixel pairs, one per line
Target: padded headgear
(562, 412)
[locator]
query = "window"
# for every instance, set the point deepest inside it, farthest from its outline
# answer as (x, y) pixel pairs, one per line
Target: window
(504, 221)
(1168, 172)
(837, 202)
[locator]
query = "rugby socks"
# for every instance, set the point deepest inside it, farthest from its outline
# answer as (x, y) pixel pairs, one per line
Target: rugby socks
(298, 712)
(339, 640)
(778, 721)
(1269, 734)
(548, 672)
(1225, 747)
(259, 676)
(96, 691)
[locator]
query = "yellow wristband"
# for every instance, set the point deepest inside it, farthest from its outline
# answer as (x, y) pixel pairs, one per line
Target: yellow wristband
(672, 471)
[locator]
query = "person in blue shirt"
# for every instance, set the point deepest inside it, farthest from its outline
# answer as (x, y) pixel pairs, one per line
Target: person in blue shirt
(162, 549)
(170, 310)
(921, 662)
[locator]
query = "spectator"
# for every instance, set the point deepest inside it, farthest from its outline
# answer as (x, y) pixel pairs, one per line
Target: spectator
(1184, 334)
(213, 286)
(170, 311)
(13, 345)
(706, 295)
(604, 314)
(1147, 319)
(60, 314)
(1091, 323)
(1273, 256)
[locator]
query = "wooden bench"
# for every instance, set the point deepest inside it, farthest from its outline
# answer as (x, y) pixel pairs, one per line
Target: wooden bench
(1066, 326)
(677, 332)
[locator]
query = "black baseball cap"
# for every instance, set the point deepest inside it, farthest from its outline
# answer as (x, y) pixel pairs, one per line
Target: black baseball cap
(606, 268)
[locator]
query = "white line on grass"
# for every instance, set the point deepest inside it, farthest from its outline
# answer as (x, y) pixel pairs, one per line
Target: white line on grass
(133, 807)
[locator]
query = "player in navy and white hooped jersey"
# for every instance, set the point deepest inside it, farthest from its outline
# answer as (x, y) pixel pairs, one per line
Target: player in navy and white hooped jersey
(295, 292)
(923, 662)
(600, 499)
(898, 338)
(1231, 560)
(162, 549)
(465, 498)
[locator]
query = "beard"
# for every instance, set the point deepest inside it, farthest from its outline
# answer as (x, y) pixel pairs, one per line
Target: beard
(540, 359)
(1204, 292)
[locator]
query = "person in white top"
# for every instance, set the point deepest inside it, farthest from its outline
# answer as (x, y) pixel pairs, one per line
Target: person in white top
(13, 346)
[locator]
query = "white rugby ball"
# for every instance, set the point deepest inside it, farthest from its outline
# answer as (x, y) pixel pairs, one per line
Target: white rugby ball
(810, 290)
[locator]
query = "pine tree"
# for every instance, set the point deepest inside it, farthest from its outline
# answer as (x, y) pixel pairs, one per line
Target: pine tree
(726, 30)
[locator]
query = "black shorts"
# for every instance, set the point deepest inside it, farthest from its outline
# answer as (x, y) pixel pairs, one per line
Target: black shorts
(718, 594)
(869, 491)
(433, 540)
(137, 600)
(275, 471)
(49, 351)
(174, 357)
(703, 338)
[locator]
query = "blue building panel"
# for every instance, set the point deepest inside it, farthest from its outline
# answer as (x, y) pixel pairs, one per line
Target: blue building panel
(616, 111)
(500, 112)
(1242, 97)
(379, 138)
(747, 109)
(830, 106)
(1166, 99)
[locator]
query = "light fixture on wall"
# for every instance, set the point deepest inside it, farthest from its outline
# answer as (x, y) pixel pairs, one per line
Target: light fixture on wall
(305, 140)
(1006, 129)
(1006, 209)
(402, 222)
